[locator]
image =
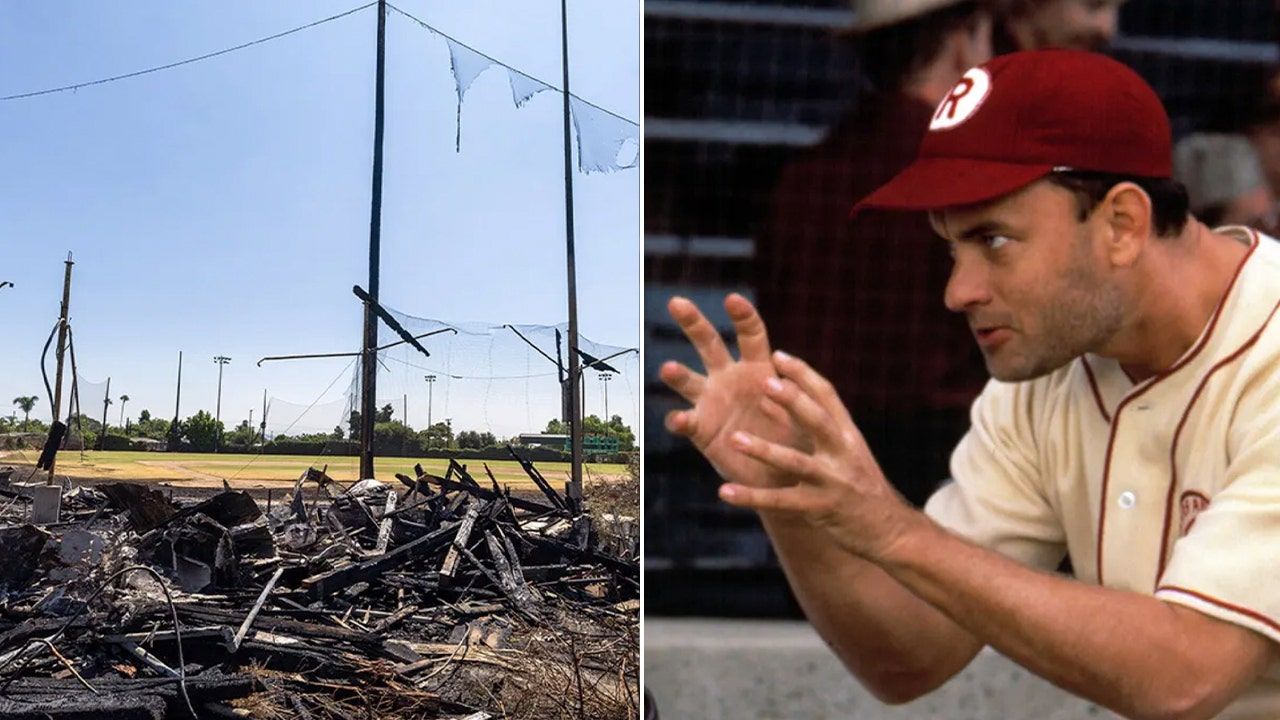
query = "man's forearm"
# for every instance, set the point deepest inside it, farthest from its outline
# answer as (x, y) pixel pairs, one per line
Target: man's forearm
(1130, 652)
(897, 644)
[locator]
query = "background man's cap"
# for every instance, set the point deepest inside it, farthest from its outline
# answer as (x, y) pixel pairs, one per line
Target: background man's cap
(872, 14)
(1024, 115)
(1216, 168)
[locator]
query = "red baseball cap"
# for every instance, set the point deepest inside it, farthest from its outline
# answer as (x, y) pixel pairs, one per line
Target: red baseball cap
(1024, 115)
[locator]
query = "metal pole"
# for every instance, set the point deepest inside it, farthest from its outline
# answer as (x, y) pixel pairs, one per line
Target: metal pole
(575, 427)
(62, 347)
(106, 400)
(369, 365)
(604, 380)
(217, 440)
(431, 386)
(177, 401)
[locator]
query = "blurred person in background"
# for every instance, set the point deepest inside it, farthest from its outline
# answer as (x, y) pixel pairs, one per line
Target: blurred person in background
(1070, 24)
(1225, 181)
(860, 300)
(1263, 128)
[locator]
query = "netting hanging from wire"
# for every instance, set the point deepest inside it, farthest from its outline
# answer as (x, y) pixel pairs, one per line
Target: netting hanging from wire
(502, 379)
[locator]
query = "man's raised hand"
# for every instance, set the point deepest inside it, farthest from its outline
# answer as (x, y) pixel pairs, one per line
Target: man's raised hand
(730, 396)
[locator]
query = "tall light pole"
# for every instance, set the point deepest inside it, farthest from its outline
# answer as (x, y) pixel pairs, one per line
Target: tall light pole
(604, 380)
(431, 386)
(221, 360)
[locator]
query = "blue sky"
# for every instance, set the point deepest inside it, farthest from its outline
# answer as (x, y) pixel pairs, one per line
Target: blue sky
(223, 207)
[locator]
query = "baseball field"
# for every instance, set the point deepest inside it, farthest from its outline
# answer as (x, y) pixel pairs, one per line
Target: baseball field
(210, 469)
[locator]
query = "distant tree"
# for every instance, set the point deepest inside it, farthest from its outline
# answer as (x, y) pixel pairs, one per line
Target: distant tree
(201, 431)
(384, 415)
(26, 403)
(124, 400)
(470, 439)
(556, 427)
(395, 437)
(438, 436)
(353, 425)
(242, 435)
(487, 439)
(149, 427)
(337, 433)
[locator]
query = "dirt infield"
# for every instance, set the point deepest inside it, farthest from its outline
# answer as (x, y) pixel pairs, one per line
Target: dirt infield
(240, 471)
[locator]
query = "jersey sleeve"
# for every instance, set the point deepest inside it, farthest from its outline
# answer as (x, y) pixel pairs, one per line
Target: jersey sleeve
(996, 498)
(1228, 564)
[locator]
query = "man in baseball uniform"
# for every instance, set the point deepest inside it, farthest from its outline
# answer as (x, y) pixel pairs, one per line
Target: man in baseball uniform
(1133, 422)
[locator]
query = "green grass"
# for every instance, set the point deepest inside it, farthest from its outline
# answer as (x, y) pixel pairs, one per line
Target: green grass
(211, 468)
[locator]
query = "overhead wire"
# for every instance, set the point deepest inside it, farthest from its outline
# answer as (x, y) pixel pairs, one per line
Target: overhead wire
(188, 61)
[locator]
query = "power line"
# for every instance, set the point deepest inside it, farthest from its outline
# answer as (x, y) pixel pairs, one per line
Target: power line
(188, 61)
(496, 61)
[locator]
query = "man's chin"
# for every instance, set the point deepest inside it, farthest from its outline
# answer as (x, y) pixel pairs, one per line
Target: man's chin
(1012, 372)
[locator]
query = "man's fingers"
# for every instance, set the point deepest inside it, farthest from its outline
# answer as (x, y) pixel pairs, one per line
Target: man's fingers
(705, 338)
(814, 385)
(753, 340)
(780, 457)
(684, 381)
(682, 422)
(797, 498)
(808, 414)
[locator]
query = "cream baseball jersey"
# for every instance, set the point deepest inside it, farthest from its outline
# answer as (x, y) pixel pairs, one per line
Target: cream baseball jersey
(1169, 486)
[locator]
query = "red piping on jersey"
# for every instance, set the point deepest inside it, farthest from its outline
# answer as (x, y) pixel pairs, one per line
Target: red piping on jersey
(1177, 435)
(1252, 614)
(1151, 382)
(1097, 394)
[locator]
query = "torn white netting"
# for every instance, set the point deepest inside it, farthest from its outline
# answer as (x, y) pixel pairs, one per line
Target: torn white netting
(524, 87)
(606, 142)
(497, 378)
(467, 65)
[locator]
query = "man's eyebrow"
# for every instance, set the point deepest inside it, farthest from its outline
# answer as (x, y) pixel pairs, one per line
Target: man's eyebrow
(982, 229)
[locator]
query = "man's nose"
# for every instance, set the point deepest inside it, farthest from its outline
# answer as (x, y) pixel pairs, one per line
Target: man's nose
(968, 286)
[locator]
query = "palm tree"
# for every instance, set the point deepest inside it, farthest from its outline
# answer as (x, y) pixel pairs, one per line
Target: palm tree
(123, 399)
(26, 403)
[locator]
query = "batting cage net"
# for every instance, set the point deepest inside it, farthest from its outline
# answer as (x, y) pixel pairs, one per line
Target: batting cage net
(469, 385)
(765, 121)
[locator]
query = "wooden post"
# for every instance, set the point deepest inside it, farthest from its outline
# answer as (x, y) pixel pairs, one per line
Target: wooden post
(62, 348)
(575, 426)
(369, 357)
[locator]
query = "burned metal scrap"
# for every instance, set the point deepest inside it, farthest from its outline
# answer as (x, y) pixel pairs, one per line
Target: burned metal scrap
(438, 597)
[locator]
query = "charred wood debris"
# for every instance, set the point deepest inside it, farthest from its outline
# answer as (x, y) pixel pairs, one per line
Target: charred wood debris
(438, 597)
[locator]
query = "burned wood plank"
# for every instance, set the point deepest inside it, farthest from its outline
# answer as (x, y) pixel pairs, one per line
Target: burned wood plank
(257, 607)
(147, 508)
(623, 567)
(455, 468)
(20, 546)
(460, 540)
(539, 480)
(384, 528)
(325, 584)
(394, 619)
(512, 585)
(485, 493)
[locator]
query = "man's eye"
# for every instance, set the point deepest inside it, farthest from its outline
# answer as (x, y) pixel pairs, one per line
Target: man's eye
(995, 242)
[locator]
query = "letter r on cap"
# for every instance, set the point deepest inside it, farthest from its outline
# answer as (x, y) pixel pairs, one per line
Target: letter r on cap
(952, 101)
(963, 101)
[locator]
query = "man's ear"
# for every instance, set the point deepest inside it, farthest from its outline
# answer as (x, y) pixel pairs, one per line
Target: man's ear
(1126, 212)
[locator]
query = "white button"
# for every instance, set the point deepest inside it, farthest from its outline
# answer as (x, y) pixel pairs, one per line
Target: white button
(1127, 499)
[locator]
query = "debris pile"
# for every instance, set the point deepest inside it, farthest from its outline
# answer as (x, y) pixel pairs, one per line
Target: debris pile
(441, 597)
